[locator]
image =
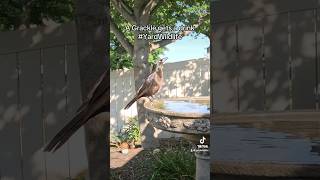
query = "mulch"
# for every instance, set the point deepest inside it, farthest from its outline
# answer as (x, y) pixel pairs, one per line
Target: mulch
(137, 164)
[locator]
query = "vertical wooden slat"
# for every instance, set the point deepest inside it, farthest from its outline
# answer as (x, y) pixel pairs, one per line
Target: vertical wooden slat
(131, 88)
(19, 119)
(44, 125)
(124, 91)
(57, 163)
(249, 66)
(290, 62)
(206, 77)
(303, 60)
(264, 71)
(66, 87)
(317, 60)
(184, 84)
(77, 151)
(10, 159)
(201, 77)
(315, 13)
(113, 113)
(237, 64)
(32, 128)
(176, 83)
(116, 102)
(225, 69)
(276, 56)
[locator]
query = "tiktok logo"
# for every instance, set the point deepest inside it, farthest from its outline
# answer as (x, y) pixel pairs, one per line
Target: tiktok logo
(202, 140)
(201, 147)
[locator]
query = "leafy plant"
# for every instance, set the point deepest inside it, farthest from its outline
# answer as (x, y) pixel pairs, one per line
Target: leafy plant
(122, 137)
(34, 13)
(165, 13)
(177, 163)
(133, 130)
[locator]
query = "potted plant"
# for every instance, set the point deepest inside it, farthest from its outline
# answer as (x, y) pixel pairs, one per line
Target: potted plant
(129, 136)
(122, 141)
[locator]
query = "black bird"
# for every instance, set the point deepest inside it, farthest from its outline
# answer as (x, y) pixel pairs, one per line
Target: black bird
(151, 85)
(96, 103)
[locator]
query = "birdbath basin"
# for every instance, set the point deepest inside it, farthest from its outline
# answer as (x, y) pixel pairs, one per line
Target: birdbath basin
(189, 117)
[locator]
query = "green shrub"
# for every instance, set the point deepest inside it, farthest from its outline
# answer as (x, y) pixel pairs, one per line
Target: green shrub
(133, 130)
(122, 137)
(130, 133)
(174, 164)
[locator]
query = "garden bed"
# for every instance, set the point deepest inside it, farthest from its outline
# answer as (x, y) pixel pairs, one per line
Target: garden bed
(140, 162)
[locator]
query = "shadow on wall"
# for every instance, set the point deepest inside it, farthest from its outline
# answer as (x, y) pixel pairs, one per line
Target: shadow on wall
(33, 105)
(265, 57)
(265, 62)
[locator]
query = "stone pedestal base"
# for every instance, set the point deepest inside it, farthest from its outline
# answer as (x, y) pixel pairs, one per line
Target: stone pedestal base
(202, 166)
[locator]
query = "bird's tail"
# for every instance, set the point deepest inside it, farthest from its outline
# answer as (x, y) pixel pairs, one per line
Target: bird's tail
(66, 132)
(131, 102)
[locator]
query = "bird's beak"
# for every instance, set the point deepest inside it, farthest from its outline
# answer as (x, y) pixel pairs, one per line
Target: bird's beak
(164, 59)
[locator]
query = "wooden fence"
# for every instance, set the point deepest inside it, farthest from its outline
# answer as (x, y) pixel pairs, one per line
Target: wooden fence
(39, 92)
(265, 69)
(267, 61)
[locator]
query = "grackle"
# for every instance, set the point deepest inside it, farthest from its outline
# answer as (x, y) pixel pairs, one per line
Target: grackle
(151, 85)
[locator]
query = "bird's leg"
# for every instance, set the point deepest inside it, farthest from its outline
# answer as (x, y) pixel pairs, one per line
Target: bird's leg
(150, 98)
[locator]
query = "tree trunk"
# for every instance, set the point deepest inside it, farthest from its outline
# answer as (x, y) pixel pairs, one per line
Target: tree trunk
(141, 71)
(92, 36)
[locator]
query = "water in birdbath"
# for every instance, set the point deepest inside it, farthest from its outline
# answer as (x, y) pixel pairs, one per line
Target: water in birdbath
(185, 106)
(251, 144)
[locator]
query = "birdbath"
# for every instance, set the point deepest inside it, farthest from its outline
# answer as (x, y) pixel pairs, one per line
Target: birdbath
(189, 117)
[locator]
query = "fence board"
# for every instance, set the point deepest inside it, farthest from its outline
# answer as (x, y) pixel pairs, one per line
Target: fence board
(277, 67)
(77, 150)
(33, 162)
(112, 103)
(225, 69)
(250, 66)
(57, 163)
(304, 60)
(317, 63)
(10, 167)
(205, 77)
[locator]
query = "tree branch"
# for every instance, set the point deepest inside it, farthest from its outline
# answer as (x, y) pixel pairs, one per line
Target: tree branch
(150, 6)
(121, 37)
(162, 43)
(124, 10)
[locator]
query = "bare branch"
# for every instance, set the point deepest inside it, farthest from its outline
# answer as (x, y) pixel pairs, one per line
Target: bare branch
(162, 43)
(124, 10)
(121, 37)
